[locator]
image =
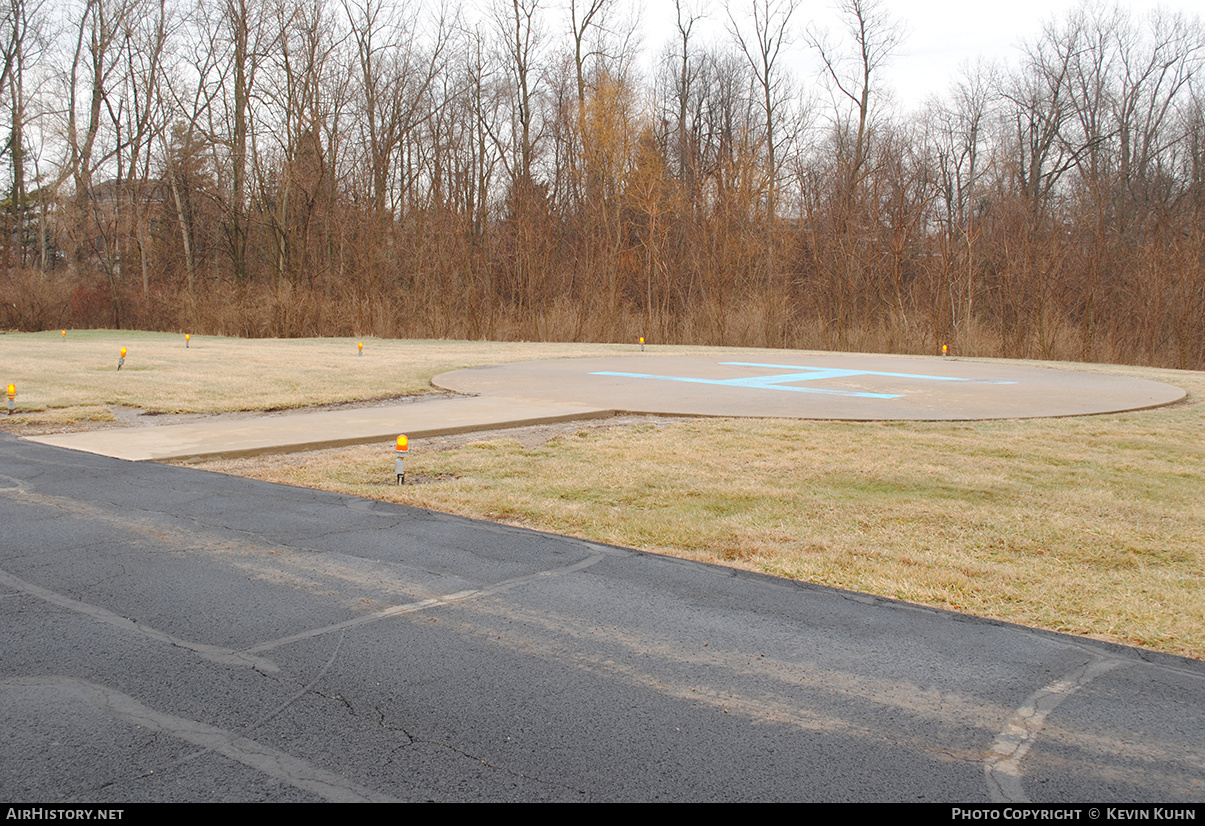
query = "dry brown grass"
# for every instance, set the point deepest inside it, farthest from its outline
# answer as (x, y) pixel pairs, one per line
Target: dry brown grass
(1092, 526)
(59, 380)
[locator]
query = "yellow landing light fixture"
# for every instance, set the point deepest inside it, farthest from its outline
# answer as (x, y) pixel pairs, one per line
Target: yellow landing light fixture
(642, 344)
(64, 335)
(399, 458)
(187, 340)
(361, 346)
(122, 358)
(945, 351)
(12, 398)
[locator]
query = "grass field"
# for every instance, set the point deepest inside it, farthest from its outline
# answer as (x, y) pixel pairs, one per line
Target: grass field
(1093, 525)
(59, 377)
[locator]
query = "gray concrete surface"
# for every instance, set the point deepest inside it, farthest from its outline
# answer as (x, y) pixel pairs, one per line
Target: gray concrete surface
(231, 436)
(815, 386)
(799, 385)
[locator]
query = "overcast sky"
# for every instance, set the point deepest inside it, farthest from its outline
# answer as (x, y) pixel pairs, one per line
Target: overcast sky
(941, 35)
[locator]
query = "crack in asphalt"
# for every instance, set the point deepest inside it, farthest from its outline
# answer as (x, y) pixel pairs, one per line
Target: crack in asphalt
(1002, 764)
(213, 653)
(265, 759)
(410, 608)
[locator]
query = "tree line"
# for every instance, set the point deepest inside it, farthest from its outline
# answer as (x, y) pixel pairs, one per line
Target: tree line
(363, 167)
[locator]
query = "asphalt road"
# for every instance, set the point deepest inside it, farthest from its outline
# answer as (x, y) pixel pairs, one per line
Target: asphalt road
(174, 635)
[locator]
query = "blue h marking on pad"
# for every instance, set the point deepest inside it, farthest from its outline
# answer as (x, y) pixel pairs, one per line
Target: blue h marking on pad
(782, 381)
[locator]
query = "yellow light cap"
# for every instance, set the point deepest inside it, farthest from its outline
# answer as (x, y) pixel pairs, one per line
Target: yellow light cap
(403, 444)
(123, 352)
(12, 390)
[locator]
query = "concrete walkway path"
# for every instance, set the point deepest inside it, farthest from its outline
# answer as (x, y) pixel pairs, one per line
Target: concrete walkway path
(228, 437)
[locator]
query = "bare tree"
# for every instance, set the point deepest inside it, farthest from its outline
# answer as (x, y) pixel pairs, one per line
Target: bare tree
(841, 248)
(189, 136)
(1041, 103)
(94, 112)
(519, 25)
(761, 43)
(651, 192)
(21, 50)
(295, 176)
(396, 69)
(241, 29)
(874, 36)
(1043, 147)
(685, 75)
(142, 91)
(1156, 78)
(601, 44)
(958, 134)
(588, 26)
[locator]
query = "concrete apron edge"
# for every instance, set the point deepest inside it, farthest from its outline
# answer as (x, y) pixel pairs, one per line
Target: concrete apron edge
(61, 440)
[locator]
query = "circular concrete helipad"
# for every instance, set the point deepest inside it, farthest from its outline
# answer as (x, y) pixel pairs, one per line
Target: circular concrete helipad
(814, 386)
